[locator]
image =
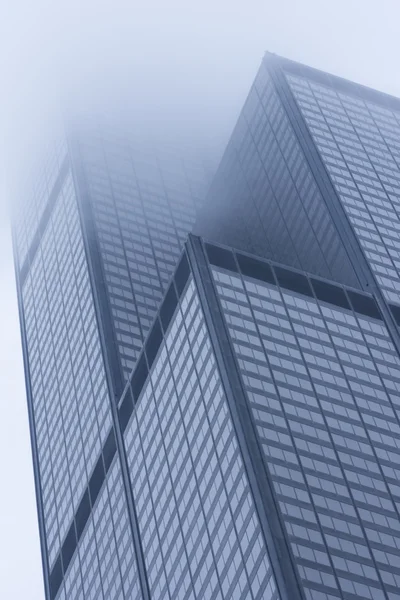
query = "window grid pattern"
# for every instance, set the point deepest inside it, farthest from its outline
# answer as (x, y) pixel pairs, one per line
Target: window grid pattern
(104, 566)
(264, 198)
(67, 376)
(360, 145)
(145, 203)
(323, 386)
(198, 524)
(29, 211)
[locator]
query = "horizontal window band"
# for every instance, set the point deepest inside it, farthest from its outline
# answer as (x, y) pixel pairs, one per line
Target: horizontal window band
(295, 281)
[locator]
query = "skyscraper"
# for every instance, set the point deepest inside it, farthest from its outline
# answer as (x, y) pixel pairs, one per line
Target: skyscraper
(232, 432)
(95, 244)
(314, 377)
(311, 177)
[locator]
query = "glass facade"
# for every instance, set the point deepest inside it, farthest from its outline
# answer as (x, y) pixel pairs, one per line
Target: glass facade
(323, 385)
(319, 374)
(30, 209)
(67, 376)
(210, 424)
(104, 565)
(144, 201)
(70, 407)
(198, 523)
(265, 198)
(311, 178)
(104, 229)
(359, 142)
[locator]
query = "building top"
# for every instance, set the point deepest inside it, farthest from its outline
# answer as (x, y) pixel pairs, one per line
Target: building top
(341, 84)
(273, 273)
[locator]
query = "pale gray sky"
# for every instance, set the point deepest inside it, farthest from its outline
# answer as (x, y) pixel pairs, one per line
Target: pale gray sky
(193, 62)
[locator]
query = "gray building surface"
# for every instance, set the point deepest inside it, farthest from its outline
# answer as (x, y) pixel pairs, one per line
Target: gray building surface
(320, 377)
(95, 244)
(311, 177)
(221, 423)
(261, 430)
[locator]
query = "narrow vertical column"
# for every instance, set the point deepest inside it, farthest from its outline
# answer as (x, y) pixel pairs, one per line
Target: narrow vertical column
(35, 459)
(110, 353)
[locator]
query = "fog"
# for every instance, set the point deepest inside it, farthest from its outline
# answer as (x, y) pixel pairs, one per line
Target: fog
(184, 66)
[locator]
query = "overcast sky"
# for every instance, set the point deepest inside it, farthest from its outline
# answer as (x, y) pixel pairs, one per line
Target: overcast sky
(192, 63)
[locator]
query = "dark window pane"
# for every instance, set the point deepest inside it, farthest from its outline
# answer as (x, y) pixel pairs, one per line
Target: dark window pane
(69, 547)
(168, 307)
(364, 305)
(293, 281)
(153, 342)
(125, 411)
(182, 274)
(96, 480)
(82, 514)
(395, 312)
(139, 377)
(255, 268)
(56, 578)
(330, 293)
(109, 449)
(220, 257)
